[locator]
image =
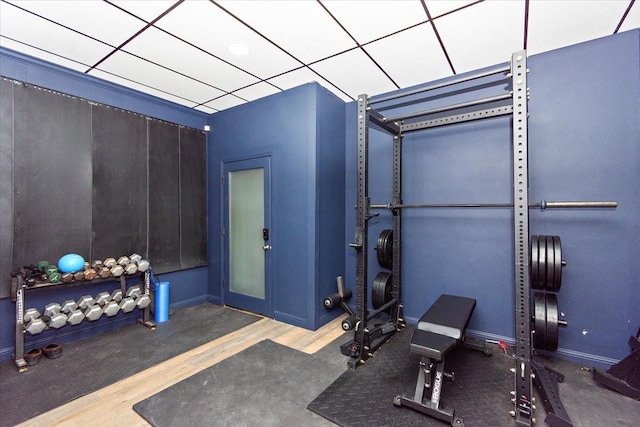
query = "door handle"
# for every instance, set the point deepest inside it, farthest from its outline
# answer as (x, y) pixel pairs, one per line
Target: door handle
(266, 247)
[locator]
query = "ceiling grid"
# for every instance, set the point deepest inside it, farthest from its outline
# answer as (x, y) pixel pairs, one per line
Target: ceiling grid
(180, 50)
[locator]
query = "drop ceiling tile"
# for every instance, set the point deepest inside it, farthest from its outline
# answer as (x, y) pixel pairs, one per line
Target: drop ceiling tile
(302, 76)
(29, 29)
(362, 77)
(562, 23)
(94, 18)
(259, 90)
(224, 102)
(372, 19)
(482, 35)
(438, 7)
(411, 57)
(632, 20)
(264, 59)
(147, 9)
(127, 83)
(41, 54)
(149, 75)
(170, 52)
(302, 28)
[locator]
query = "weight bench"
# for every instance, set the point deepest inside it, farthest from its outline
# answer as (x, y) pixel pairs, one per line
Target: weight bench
(439, 331)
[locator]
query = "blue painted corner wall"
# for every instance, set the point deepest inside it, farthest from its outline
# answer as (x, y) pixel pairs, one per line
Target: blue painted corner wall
(584, 144)
(302, 130)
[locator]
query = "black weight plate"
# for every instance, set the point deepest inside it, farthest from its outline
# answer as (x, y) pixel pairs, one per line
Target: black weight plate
(542, 262)
(549, 275)
(551, 339)
(533, 263)
(557, 277)
(381, 289)
(384, 248)
(539, 321)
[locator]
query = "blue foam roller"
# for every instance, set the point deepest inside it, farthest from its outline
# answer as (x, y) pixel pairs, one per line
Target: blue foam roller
(162, 302)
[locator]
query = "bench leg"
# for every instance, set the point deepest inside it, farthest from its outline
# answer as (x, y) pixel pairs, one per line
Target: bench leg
(427, 378)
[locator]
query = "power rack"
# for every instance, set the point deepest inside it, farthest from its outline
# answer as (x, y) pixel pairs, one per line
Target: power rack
(369, 336)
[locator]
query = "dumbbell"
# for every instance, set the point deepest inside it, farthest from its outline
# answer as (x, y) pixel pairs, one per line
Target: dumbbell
(54, 277)
(57, 320)
(103, 298)
(42, 266)
(135, 258)
(86, 265)
(143, 265)
(127, 304)
(90, 274)
(96, 265)
(50, 269)
(131, 268)
(67, 278)
(78, 276)
(35, 326)
(116, 295)
(68, 305)
(117, 270)
(93, 312)
(30, 314)
(51, 309)
(124, 260)
(109, 262)
(111, 308)
(85, 301)
(75, 316)
(143, 301)
(104, 272)
(134, 291)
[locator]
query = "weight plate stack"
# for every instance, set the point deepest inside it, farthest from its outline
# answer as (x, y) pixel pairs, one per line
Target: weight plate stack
(545, 321)
(545, 265)
(381, 289)
(384, 249)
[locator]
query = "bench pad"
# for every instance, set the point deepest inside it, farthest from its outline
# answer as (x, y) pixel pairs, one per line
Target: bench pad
(431, 345)
(448, 316)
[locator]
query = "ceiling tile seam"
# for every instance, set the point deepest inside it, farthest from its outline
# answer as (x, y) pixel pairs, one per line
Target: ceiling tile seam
(143, 29)
(279, 47)
(526, 25)
(624, 16)
(435, 30)
(44, 50)
(358, 44)
(58, 24)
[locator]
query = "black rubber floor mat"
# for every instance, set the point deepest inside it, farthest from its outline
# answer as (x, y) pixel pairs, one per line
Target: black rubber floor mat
(90, 364)
(267, 384)
(364, 397)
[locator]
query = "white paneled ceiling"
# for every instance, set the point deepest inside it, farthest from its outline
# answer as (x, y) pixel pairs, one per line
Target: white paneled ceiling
(178, 49)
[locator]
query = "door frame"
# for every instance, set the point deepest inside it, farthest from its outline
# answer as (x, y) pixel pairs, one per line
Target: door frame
(245, 302)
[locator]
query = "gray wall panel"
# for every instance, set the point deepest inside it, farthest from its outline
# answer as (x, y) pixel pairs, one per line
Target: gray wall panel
(193, 198)
(52, 175)
(6, 184)
(119, 183)
(164, 196)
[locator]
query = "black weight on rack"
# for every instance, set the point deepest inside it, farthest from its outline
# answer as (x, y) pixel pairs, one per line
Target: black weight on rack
(546, 321)
(381, 289)
(546, 263)
(384, 249)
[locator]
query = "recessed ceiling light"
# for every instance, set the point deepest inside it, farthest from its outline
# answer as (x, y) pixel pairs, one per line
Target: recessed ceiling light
(238, 49)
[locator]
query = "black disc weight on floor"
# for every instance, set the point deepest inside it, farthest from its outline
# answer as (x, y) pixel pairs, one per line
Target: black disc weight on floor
(539, 320)
(381, 289)
(384, 249)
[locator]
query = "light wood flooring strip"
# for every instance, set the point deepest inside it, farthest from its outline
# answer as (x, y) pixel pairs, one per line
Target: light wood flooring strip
(113, 405)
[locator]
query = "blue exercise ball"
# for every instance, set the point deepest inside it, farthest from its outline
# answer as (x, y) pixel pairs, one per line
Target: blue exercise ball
(70, 263)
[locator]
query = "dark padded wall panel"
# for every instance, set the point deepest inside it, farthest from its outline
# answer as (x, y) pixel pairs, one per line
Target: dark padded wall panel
(6, 184)
(164, 196)
(193, 198)
(119, 183)
(52, 175)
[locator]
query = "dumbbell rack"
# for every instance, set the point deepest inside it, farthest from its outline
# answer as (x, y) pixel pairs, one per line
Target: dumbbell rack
(21, 287)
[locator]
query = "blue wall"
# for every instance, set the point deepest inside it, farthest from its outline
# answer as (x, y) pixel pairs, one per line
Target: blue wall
(188, 287)
(302, 129)
(584, 132)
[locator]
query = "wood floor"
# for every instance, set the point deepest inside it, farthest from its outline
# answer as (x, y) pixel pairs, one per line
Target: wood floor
(114, 403)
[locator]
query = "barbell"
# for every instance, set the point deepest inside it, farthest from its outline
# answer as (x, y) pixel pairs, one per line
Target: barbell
(543, 204)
